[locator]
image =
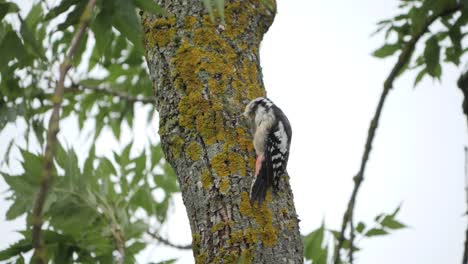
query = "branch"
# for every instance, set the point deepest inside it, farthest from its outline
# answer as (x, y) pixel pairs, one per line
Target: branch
(167, 242)
(38, 243)
(463, 85)
(351, 241)
(120, 242)
(109, 91)
(465, 252)
(403, 60)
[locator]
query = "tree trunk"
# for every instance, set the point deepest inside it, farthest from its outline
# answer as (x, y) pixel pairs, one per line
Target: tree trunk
(204, 74)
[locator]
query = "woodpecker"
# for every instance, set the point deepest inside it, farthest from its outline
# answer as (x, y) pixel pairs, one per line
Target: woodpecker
(272, 140)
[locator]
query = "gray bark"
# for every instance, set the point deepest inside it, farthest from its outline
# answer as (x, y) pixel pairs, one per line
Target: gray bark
(204, 74)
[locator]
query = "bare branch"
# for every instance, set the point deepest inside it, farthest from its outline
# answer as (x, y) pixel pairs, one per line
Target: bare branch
(403, 60)
(465, 252)
(167, 242)
(106, 90)
(38, 243)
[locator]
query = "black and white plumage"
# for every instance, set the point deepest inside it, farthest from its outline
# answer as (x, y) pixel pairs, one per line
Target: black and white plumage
(272, 140)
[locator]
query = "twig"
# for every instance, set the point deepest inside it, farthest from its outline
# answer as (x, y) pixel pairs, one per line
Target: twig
(119, 243)
(38, 243)
(167, 242)
(465, 252)
(351, 241)
(463, 85)
(109, 91)
(403, 60)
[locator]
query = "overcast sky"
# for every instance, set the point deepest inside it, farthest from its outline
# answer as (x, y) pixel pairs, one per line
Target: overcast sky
(317, 67)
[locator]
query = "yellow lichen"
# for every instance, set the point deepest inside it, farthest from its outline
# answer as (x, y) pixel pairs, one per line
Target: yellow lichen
(250, 236)
(175, 146)
(291, 224)
(246, 256)
(187, 63)
(219, 164)
(236, 237)
(237, 19)
(208, 123)
(218, 226)
(196, 242)
(244, 139)
(247, 80)
(194, 151)
(224, 186)
(160, 32)
(202, 258)
(190, 22)
(263, 217)
(221, 225)
(228, 162)
(206, 179)
(237, 164)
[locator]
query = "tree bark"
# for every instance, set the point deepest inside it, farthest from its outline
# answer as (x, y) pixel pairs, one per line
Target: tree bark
(204, 74)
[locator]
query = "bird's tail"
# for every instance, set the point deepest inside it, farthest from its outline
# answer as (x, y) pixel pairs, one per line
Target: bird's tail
(263, 181)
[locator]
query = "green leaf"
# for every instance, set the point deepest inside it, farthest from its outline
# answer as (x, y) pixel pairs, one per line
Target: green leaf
(20, 259)
(21, 246)
(74, 16)
(453, 55)
(156, 155)
(313, 244)
(375, 232)
(220, 7)
(18, 208)
(135, 248)
(102, 28)
(34, 16)
(420, 76)
(144, 199)
(115, 126)
(391, 223)
(149, 6)
(397, 210)
(12, 47)
(386, 50)
(360, 227)
(431, 56)
(6, 157)
(6, 8)
(209, 8)
(140, 163)
(76, 60)
(32, 165)
(126, 21)
(31, 42)
(71, 214)
(61, 8)
(418, 18)
(106, 167)
(167, 182)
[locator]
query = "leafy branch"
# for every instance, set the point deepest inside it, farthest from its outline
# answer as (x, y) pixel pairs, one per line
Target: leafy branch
(38, 243)
(403, 61)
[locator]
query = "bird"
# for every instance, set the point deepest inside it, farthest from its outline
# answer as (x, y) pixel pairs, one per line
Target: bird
(272, 140)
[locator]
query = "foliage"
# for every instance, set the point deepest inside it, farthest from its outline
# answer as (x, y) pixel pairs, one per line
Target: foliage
(92, 204)
(319, 244)
(443, 41)
(106, 198)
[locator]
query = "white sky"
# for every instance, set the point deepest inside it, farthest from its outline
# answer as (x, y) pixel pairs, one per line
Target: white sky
(317, 67)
